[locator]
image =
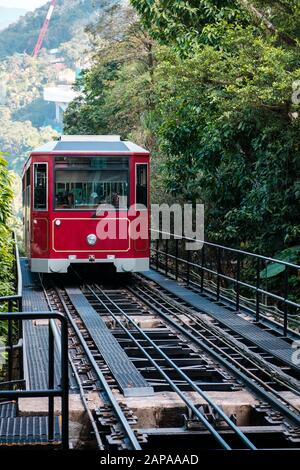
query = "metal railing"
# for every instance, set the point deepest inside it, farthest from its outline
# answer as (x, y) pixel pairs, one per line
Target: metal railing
(14, 303)
(15, 316)
(215, 269)
(61, 391)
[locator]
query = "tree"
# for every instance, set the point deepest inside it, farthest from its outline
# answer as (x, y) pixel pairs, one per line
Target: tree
(6, 256)
(228, 128)
(187, 22)
(117, 92)
(69, 16)
(18, 138)
(214, 105)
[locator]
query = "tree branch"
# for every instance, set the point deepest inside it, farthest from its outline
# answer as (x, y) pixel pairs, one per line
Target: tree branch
(270, 26)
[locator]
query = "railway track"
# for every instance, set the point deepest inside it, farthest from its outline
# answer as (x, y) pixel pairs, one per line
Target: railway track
(273, 378)
(110, 306)
(114, 424)
(264, 388)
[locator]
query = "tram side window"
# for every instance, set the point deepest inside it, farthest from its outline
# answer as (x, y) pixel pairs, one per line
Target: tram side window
(142, 184)
(40, 186)
(28, 178)
(23, 190)
(26, 188)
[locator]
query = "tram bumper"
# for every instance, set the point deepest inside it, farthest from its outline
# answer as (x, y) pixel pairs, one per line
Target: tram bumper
(122, 265)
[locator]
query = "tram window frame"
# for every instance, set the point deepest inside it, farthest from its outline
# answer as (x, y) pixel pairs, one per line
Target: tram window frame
(60, 160)
(26, 188)
(23, 189)
(28, 177)
(141, 204)
(36, 206)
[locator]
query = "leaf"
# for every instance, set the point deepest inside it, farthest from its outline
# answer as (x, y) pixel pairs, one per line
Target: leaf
(272, 270)
(290, 255)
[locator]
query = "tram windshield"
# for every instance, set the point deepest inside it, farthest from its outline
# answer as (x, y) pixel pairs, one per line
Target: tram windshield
(85, 182)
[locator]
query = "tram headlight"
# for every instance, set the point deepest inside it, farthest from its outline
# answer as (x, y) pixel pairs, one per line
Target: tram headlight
(91, 239)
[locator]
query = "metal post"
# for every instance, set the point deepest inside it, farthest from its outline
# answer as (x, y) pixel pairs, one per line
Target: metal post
(65, 384)
(238, 274)
(188, 260)
(176, 259)
(257, 290)
(285, 306)
(157, 247)
(167, 256)
(202, 267)
(20, 309)
(218, 273)
(20, 326)
(10, 343)
(51, 382)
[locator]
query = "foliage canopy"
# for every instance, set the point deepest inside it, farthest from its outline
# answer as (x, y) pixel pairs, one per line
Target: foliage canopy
(6, 256)
(210, 92)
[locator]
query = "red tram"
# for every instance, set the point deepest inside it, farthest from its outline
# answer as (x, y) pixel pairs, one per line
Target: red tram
(76, 192)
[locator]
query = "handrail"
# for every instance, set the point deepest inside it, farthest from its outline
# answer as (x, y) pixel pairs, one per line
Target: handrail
(223, 247)
(14, 302)
(18, 266)
(228, 278)
(62, 390)
(215, 269)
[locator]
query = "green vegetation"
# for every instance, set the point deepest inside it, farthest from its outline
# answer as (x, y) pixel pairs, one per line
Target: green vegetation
(24, 116)
(68, 17)
(19, 138)
(207, 86)
(6, 244)
(26, 120)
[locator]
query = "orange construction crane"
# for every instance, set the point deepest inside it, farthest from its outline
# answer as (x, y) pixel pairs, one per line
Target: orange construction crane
(44, 29)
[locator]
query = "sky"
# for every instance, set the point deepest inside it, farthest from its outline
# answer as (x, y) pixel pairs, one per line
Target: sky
(26, 4)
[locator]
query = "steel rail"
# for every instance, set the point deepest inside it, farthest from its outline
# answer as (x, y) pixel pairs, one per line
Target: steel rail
(56, 334)
(86, 406)
(195, 318)
(128, 431)
(54, 327)
(202, 418)
(242, 376)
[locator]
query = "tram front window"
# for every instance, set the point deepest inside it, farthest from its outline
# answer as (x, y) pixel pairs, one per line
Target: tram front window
(85, 182)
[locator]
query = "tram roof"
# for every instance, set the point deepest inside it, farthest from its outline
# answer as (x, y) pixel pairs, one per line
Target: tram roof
(90, 143)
